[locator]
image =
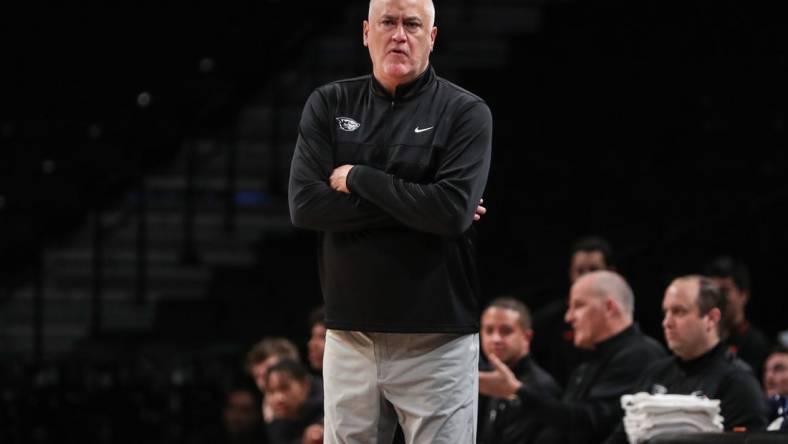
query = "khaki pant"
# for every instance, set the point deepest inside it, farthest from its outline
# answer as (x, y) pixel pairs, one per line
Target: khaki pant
(428, 383)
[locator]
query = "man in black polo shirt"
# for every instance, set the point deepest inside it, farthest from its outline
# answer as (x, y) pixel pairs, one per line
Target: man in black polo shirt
(506, 333)
(693, 307)
(389, 168)
(553, 346)
(600, 313)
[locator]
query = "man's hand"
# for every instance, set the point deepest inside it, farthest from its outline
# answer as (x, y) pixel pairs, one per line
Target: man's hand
(268, 411)
(338, 179)
(480, 210)
(500, 382)
(338, 182)
(313, 434)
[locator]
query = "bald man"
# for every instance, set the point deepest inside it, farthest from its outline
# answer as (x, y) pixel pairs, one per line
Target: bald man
(600, 310)
(389, 169)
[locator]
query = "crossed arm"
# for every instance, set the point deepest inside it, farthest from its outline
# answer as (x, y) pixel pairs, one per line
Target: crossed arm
(354, 197)
(338, 182)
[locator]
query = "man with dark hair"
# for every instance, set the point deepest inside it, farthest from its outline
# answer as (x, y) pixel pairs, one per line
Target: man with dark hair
(506, 333)
(317, 339)
(240, 423)
(264, 354)
(742, 338)
(694, 307)
(553, 345)
(296, 400)
(600, 310)
(775, 384)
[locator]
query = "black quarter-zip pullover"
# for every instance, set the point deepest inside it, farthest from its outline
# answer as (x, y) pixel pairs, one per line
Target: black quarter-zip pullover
(397, 254)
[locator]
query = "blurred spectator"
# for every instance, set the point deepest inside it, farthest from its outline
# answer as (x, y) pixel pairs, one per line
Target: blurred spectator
(744, 339)
(600, 313)
(265, 354)
(694, 308)
(241, 421)
(506, 333)
(296, 401)
(775, 384)
(317, 338)
(553, 344)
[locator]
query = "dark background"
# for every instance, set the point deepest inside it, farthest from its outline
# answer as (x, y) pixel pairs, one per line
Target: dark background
(658, 125)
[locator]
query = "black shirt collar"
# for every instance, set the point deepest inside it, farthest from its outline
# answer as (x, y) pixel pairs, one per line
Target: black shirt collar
(521, 365)
(614, 342)
(406, 90)
(716, 353)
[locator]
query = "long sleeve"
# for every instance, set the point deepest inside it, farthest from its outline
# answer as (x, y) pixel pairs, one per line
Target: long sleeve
(592, 417)
(447, 205)
(313, 204)
(742, 402)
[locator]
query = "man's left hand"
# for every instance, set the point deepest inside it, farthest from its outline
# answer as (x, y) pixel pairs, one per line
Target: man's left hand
(480, 211)
(338, 179)
(500, 382)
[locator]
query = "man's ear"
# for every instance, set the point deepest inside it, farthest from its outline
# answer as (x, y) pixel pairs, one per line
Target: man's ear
(714, 317)
(433, 35)
(365, 32)
(611, 306)
(528, 334)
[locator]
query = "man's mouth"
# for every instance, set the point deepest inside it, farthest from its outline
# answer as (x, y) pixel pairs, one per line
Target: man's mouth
(398, 51)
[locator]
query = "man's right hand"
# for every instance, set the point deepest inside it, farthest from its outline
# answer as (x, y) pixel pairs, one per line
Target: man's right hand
(500, 382)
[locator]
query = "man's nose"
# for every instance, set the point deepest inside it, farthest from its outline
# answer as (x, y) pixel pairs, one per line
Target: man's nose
(665, 321)
(399, 33)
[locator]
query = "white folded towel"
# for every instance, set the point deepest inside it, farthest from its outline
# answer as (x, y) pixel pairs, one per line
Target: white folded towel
(648, 415)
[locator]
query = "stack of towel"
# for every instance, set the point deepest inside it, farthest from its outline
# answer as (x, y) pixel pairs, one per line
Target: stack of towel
(649, 415)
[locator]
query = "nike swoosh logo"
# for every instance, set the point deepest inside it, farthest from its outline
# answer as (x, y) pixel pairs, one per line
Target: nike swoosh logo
(421, 130)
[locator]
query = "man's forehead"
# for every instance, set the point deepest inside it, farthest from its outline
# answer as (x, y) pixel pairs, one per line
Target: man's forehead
(588, 256)
(403, 15)
(778, 357)
(685, 288)
(585, 287)
(678, 297)
(500, 313)
(397, 8)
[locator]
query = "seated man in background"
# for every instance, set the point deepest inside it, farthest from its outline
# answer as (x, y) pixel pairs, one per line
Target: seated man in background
(693, 307)
(506, 333)
(240, 422)
(266, 353)
(775, 384)
(553, 346)
(317, 339)
(742, 338)
(296, 401)
(261, 357)
(601, 304)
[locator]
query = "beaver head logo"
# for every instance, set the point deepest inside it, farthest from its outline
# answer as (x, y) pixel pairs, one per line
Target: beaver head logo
(347, 124)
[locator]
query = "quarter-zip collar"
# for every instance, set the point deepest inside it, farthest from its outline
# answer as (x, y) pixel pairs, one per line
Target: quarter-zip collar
(406, 90)
(522, 365)
(716, 353)
(613, 343)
